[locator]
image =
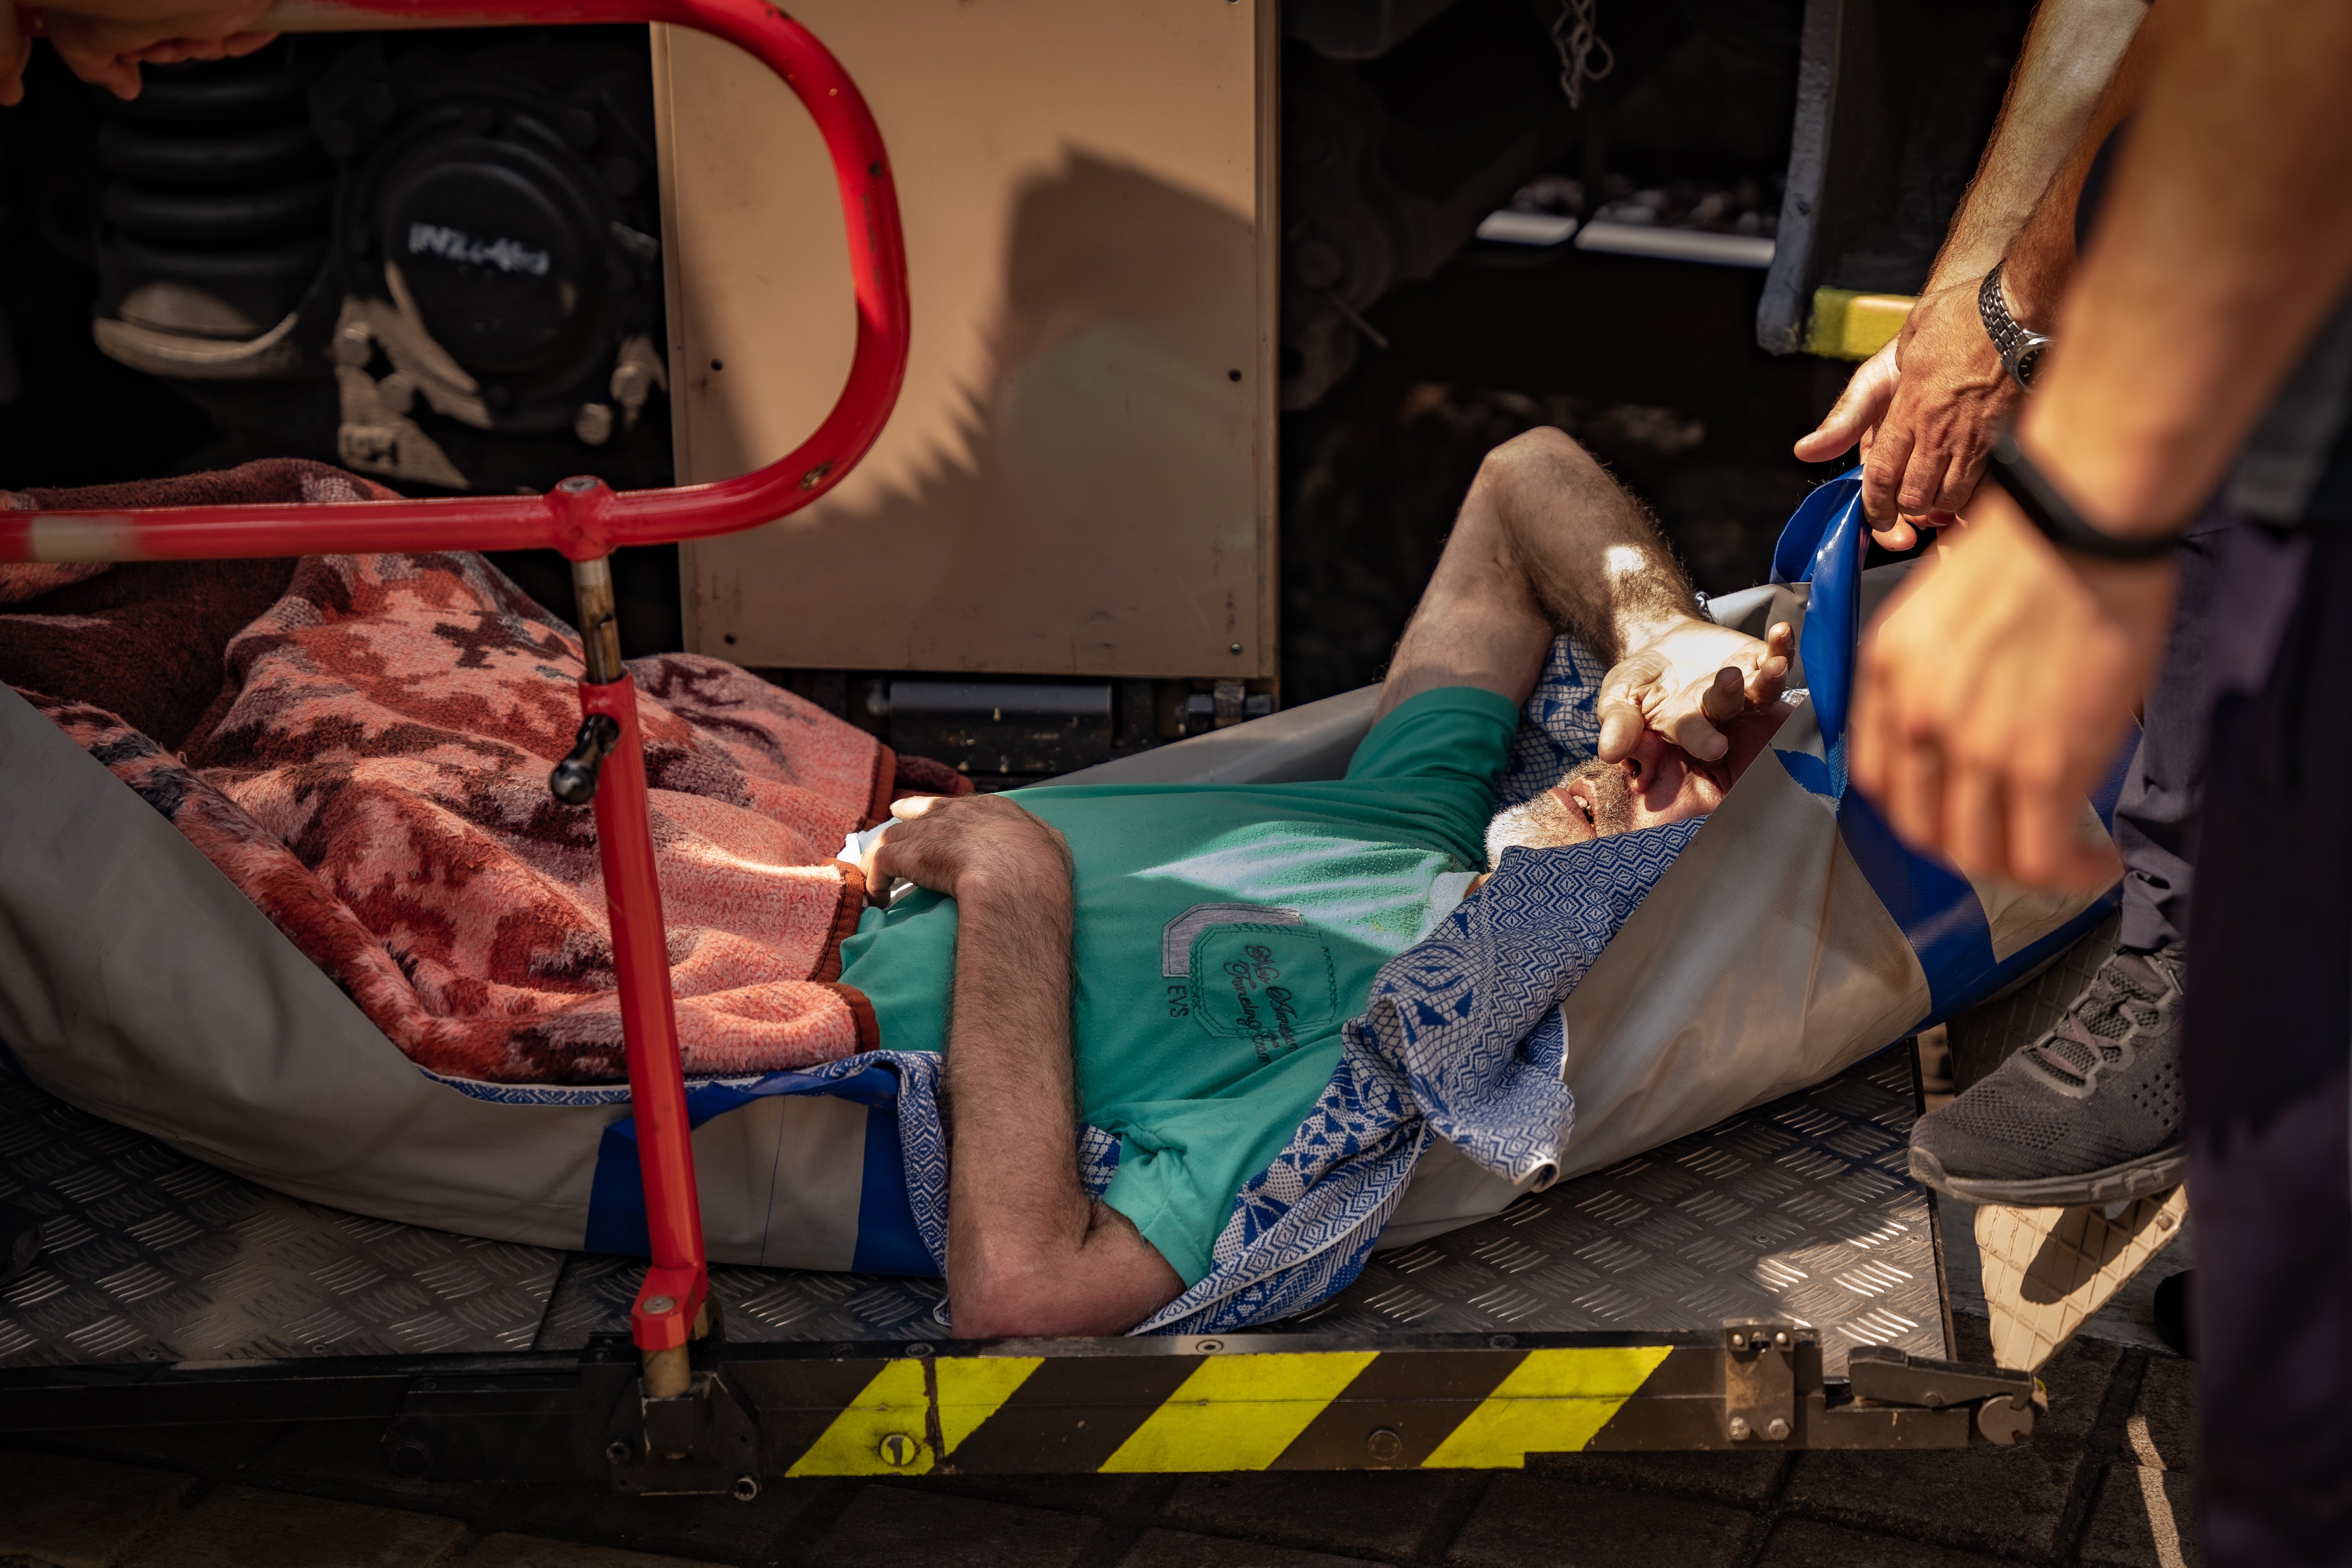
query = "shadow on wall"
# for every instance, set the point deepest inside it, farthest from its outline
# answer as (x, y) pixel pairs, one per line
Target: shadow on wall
(1104, 489)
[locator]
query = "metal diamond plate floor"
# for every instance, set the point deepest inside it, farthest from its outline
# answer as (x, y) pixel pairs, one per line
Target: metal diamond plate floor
(147, 1255)
(1801, 1208)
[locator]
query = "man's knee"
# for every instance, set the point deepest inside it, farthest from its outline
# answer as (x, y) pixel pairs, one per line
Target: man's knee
(1539, 456)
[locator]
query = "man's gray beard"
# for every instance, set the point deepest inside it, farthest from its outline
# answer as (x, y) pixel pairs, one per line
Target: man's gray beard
(1541, 822)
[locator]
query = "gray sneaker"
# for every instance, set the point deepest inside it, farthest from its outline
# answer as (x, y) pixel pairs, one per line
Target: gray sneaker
(2090, 1113)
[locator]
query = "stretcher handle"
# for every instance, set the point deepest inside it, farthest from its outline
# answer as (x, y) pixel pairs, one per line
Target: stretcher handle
(583, 518)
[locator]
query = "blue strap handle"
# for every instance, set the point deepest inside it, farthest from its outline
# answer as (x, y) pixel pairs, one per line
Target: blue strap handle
(1824, 543)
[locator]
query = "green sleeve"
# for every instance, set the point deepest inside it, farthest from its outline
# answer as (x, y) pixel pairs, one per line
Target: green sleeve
(1453, 745)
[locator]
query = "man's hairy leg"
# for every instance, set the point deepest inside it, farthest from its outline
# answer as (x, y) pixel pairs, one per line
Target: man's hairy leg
(1028, 1251)
(1548, 542)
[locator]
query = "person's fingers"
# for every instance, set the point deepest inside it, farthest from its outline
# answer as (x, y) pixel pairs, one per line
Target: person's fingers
(1690, 729)
(1914, 798)
(1898, 535)
(1882, 474)
(2046, 847)
(1724, 698)
(1923, 481)
(112, 72)
(1622, 717)
(1862, 405)
(1771, 676)
(1961, 478)
(1621, 730)
(1974, 836)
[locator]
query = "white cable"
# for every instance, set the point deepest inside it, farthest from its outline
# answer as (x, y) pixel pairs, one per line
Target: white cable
(1579, 41)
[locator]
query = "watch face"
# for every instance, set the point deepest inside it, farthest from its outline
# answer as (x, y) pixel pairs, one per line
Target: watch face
(2029, 362)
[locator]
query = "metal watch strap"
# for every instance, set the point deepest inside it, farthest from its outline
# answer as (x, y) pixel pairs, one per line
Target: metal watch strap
(2020, 347)
(2050, 512)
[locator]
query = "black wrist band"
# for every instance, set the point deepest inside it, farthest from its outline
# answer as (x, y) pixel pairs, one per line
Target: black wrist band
(2050, 512)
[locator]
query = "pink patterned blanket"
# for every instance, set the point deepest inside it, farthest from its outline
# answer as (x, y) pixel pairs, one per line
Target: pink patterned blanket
(371, 773)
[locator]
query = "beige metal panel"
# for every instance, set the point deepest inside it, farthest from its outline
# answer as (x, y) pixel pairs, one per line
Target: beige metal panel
(1075, 481)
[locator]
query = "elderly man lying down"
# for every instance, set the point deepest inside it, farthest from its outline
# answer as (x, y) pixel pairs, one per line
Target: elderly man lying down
(1175, 963)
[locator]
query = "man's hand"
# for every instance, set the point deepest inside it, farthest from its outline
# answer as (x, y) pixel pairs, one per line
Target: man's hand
(1859, 408)
(1688, 681)
(1926, 410)
(1992, 692)
(952, 844)
(105, 41)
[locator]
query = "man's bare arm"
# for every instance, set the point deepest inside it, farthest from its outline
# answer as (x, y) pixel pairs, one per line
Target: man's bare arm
(2220, 252)
(1028, 1251)
(1547, 542)
(1925, 407)
(2071, 54)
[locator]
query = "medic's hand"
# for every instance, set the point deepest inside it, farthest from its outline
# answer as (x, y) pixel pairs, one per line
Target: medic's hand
(964, 845)
(1689, 680)
(106, 41)
(1993, 690)
(1926, 410)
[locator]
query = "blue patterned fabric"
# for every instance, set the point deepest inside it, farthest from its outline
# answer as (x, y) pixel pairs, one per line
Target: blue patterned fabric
(1560, 725)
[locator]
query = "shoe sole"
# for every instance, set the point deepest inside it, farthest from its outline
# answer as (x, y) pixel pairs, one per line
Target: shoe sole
(2154, 1173)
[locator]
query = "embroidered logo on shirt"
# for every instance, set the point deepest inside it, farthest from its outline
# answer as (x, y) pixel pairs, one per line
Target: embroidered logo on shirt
(1270, 984)
(1176, 936)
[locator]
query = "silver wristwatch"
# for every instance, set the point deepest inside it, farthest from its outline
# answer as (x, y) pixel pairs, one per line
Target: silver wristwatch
(2020, 347)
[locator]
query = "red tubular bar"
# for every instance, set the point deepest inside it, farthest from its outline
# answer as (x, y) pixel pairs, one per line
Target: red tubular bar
(625, 843)
(585, 520)
(878, 263)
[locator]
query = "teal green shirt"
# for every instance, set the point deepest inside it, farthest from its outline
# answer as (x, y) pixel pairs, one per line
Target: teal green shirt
(1224, 933)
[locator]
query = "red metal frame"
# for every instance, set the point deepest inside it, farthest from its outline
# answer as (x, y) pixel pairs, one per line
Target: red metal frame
(586, 519)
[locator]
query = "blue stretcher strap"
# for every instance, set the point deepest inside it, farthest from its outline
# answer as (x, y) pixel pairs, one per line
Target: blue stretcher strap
(1824, 543)
(887, 1239)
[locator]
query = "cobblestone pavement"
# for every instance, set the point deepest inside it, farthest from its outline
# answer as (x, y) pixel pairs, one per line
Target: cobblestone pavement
(2106, 1481)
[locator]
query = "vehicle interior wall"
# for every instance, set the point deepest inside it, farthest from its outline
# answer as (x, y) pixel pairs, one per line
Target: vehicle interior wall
(1404, 347)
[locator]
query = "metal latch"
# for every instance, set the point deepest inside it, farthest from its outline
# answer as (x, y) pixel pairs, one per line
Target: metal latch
(1760, 1381)
(2007, 1403)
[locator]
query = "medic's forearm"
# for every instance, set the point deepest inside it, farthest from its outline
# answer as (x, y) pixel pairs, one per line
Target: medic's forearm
(2040, 262)
(2224, 244)
(2070, 54)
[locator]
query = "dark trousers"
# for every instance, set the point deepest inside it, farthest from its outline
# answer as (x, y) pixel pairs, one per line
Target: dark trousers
(2156, 816)
(2269, 1057)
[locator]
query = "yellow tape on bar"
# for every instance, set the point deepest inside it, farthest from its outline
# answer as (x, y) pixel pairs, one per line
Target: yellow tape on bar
(884, 1431)
(1552, 1403)
(974, 1387)
(1238, 1412)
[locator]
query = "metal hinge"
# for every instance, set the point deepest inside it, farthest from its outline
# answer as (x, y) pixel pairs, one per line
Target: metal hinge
(2007, 1404)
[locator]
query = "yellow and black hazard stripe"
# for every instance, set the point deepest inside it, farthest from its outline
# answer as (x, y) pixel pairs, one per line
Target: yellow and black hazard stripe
(1233, 1409)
